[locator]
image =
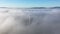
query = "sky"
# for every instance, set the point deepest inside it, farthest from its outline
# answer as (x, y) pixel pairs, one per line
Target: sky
(29, 3)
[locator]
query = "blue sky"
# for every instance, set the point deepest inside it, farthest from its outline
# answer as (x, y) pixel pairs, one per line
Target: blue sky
(29, 3)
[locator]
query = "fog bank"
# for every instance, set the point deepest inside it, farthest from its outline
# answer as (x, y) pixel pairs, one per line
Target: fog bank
(29, 21)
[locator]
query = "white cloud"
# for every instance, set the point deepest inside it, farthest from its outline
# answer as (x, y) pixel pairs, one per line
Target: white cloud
(17, 21)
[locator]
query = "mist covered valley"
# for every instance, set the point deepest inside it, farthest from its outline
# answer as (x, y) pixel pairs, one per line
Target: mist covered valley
(30, 20)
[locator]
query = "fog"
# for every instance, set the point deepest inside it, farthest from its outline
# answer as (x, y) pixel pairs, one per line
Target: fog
(29, 21)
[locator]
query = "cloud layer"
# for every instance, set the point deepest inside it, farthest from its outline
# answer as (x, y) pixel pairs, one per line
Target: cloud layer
(29, 21)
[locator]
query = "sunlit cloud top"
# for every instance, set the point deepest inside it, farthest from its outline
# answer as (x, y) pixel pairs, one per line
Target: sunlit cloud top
(29, 3)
